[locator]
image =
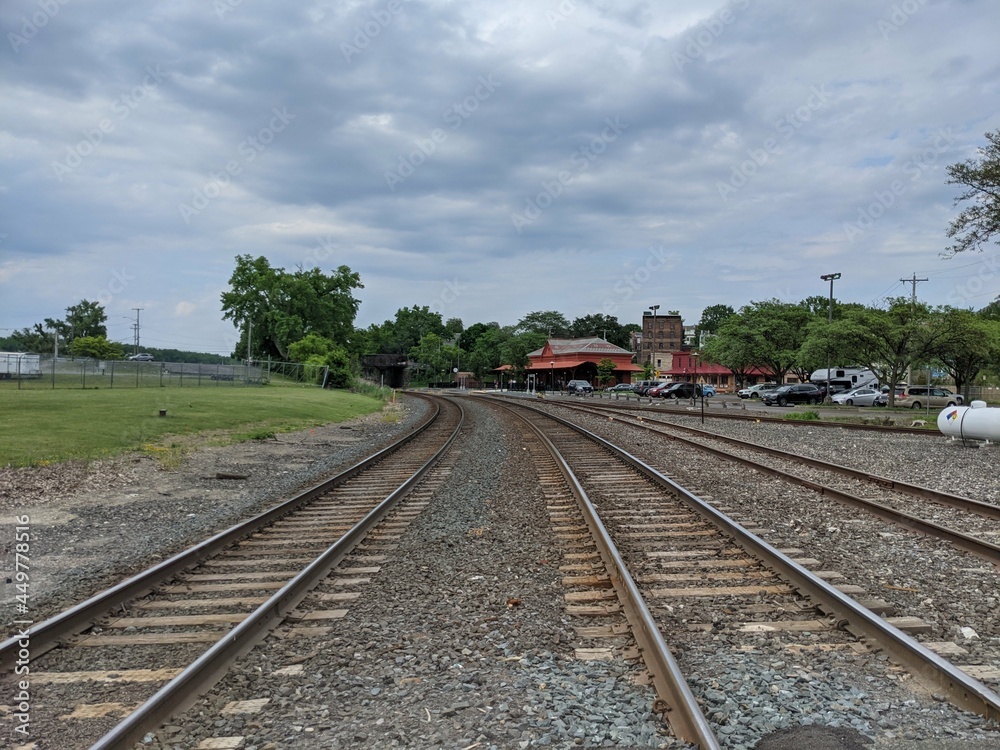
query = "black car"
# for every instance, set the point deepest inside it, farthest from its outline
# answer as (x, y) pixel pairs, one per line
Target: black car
(682, 390)
(579, 386)
(800, 393)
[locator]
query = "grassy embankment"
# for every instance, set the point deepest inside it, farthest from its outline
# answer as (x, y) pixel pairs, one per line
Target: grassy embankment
(38, 427)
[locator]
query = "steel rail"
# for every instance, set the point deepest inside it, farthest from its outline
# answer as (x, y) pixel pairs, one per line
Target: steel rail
(47, 634)
(725, 414)
(199, 677)
(974, 545)
(927, 667)
(675, 699)
(986, 510)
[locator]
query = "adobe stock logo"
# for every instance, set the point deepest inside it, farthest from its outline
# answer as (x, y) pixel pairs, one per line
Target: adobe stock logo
(916, 167)
(250, 148)
(581, 159)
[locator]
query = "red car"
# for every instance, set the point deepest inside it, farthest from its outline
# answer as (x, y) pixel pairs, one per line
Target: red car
(657, 390)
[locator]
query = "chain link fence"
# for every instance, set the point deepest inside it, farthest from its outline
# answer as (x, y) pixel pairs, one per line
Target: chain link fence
(47, 372)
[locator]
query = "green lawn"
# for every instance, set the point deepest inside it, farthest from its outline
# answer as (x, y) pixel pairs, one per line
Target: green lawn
(43, 426)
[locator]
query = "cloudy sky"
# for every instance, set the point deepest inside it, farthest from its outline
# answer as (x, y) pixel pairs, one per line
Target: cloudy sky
(487, 159)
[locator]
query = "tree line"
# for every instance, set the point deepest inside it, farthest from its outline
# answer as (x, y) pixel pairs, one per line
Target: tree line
(307, 315)
(799, 338)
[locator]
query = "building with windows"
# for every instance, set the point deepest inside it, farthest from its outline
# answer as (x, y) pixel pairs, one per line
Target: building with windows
(661, 335)
(563, 360)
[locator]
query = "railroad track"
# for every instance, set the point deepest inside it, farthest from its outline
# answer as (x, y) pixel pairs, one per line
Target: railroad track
(703, 576)
(964, 522)
(229, 591)
(738, 412)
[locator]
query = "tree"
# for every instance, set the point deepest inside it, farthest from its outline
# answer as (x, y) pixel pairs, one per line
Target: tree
(606, 327)
(276, 308)
(437, 357)
(712, 318)
(85, 318)
(604, 369)
(972, 345)
(979, 222)
(774, 331)
(731, 349)
(888, 342)
(551, 324)
(485, 350)
(35, 340)
(400, 335)
(991, 311)
(516, 348)
(97, 347)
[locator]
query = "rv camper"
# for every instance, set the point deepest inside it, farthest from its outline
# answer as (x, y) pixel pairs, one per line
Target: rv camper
(845, 378)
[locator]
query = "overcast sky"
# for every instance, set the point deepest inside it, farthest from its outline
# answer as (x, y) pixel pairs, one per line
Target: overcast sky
(487, 159)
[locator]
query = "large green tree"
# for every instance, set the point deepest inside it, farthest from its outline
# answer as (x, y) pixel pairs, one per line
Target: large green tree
(276, 308)
(84, 319)
(971, 346)
(890, 341)
(400, 335)
(97, 347)
(773, 331)
(731, 348)
(712, 318)
(549, 323)
(437, 357)
(979, 221)
(606, 327)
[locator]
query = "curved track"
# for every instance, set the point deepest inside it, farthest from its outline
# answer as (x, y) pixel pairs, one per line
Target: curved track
(226, 580)
(702, 537)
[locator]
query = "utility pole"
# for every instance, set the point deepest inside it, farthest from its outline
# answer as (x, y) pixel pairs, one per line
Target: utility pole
(249, 336)
(137, 309)
(913, 303)
(914, 281)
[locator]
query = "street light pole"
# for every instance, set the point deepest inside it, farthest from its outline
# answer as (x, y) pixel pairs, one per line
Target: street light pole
(652, 335)
(831, 277)
(694, 384)
(552, 376)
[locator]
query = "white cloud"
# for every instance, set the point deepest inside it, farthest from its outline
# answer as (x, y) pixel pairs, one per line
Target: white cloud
(316, 192)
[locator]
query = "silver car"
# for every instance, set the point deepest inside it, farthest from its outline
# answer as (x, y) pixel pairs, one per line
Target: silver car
(857, 397)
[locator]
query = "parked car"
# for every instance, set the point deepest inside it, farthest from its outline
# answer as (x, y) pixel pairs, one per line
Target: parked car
(920, 396)
(579, 386)
(799, 393)
(958, 396)
(755, 391)
(657, 390)
(857, 397)
(682, 390)
(708, 390)
(621, 388)
(141, 357)
(644, 385)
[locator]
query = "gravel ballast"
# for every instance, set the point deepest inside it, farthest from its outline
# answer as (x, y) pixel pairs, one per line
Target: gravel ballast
(433, 654)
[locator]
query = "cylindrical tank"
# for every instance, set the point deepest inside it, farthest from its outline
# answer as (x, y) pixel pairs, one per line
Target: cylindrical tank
(975, 422)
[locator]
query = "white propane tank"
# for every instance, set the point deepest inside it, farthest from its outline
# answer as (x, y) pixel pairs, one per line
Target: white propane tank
(975, 422)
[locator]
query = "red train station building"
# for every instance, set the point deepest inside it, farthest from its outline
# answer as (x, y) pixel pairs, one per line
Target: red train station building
(562, 360)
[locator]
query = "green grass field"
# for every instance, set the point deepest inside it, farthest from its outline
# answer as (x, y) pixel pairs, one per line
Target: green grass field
(44, 426)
